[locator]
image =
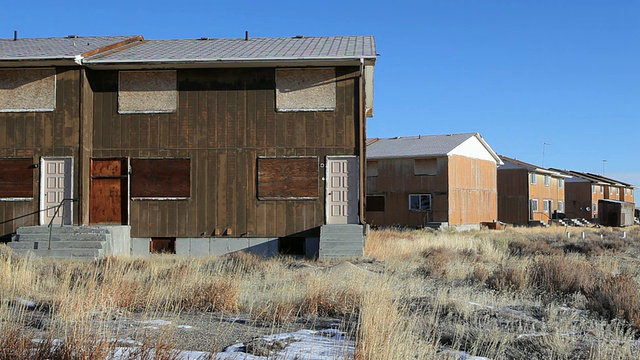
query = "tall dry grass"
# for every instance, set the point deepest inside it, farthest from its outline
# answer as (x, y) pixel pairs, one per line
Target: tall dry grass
(535, 293)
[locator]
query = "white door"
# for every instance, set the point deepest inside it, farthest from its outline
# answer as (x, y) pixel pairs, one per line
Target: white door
(55, 186)
(342, 190)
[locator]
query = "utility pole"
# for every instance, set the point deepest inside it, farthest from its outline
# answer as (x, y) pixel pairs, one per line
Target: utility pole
(604, 161)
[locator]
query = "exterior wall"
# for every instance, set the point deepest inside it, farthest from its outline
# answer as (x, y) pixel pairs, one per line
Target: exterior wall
(513, 196)
(578, 198)
(596, 195)
(627, 195)
(225, 120)
(473, 193)
(37, 134)
(396, 180)
(543, 192)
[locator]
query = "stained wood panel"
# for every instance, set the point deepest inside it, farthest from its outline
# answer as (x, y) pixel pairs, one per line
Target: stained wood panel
(108, 199)
(161, 178)
(16, 178)
(287, 178)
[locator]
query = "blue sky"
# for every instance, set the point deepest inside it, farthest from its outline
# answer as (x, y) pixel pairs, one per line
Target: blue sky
(520, 72)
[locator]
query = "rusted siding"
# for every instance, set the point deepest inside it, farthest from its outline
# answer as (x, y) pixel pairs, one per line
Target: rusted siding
(38, 134)
(473, 193)
(513, 196)
(396, 180)
(225, 120)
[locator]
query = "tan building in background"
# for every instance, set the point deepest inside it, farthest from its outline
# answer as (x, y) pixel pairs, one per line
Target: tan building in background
(435, 180)
(529, 194)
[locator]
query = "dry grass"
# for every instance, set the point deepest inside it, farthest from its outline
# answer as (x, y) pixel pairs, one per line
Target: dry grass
(535, 293)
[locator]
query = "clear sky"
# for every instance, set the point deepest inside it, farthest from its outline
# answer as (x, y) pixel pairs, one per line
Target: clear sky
(522, 73)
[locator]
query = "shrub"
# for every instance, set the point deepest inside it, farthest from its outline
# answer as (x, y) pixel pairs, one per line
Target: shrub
(217, 295)
(507, 278)
(559, 275)
(527, 247)
(615, 297)
(435, 262)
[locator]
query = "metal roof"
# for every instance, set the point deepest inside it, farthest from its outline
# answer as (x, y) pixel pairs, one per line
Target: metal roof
(54, 48)
(415, 146)
(531, 167)
(251, 49)
(595, 178)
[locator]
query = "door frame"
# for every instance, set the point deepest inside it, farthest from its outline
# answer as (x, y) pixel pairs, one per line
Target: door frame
(355, 191)
(126, 192)
(43, 160)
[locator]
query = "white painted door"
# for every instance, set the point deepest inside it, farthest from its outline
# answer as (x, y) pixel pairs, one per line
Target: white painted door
(56, 185)
(342, 190)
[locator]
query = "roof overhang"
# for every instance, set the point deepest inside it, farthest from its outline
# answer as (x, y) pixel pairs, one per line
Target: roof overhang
(37, 62)
(99, 64)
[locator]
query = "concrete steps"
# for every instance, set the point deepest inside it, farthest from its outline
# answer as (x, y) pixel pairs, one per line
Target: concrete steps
(68, 242)
(341, 241)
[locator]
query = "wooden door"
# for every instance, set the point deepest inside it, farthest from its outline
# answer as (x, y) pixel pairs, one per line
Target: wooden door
(108, 199)
(342, 190)
(56, 185)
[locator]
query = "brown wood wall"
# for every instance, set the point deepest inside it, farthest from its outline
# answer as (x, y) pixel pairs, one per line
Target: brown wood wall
(542, 192)
(225, 120)
(473, 192)
(513, 196)
(37, 134)
(579, 196)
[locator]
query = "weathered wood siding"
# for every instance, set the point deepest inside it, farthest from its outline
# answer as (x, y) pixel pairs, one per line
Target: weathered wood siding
(513, 196)
(473, 193)
(543, 192)
(38, 134)
(225, 120)
(396, 180)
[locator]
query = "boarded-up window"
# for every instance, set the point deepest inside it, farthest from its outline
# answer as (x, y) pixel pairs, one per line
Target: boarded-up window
(305, 89)
(147, 92)
(372, 168)
(375, 202)
(16, 178)
(25, 90)
(288, 178)
(161, 178)
(425, 166)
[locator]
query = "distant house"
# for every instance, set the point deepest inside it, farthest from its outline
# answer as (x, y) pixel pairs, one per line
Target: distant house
(529, 194)
(193, 146)
(585, 190)
(434, 180)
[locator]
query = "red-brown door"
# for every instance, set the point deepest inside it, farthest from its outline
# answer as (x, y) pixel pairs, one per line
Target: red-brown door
(109, 191)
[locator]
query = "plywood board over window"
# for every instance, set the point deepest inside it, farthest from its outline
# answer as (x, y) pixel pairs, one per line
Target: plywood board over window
(288, 178)
(147, 92)
(425, 166)
(16, 179)
(161, 179)
(27, 90)
(305, 89)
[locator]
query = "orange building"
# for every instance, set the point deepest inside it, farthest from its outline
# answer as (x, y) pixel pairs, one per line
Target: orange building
(529, 194)
(436, 180)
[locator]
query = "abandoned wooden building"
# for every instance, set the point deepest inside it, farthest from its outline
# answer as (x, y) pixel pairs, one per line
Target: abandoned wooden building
(198, 147)
(529, 194)
(434, 180)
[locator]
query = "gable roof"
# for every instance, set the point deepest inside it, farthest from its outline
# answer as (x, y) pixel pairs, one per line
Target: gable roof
(61, 48)
(421, 146)
(511, 163)
(595, 178)
(206, 50)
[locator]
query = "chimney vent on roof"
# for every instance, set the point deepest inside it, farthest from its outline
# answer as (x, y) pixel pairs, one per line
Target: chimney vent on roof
(72, 36)
(205, 38)
(299, 36)
(15, 35)
(246, 35)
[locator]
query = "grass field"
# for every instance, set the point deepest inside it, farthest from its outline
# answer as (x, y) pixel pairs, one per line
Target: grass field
(417, 294)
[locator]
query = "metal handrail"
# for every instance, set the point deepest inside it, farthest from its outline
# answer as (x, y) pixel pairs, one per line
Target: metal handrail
(57, 207)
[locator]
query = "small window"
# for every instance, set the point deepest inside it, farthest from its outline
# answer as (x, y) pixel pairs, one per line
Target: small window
(161, 179)
(27, 90)
(147, 92)
(594, 189)
(534, 205)
(617, 191)
(561, 206)
(425, 166)
(288, 178)
(547, 180)
(305, 89)
(594, 207)
(545, 205)
(420, 202)
(560, 183)
(375, 202)
(372, 168)
(162, 245)
(16, 179)
(533, 178)
(601, 189)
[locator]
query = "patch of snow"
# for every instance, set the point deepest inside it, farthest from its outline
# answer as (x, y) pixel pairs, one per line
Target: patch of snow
(184, 327)
(156, 322)
(463, 355)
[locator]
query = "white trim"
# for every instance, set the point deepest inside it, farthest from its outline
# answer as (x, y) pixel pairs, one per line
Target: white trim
(42, 183)
(10, 199)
